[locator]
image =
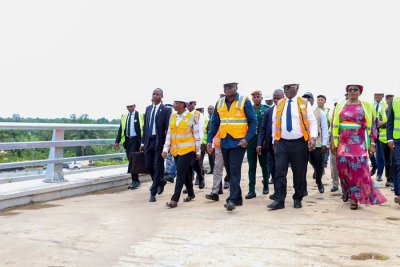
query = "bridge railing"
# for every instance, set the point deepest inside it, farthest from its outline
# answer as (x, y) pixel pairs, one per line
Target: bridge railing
(56, 158)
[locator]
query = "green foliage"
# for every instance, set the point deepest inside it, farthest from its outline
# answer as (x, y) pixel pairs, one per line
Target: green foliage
(44, 135)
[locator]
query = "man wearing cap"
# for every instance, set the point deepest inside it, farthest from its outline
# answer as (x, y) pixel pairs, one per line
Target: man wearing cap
(294, 130)
(183, 140)
(252, 150)
(377, 161)
(129, 134)
(321, 143)
(155, 128)
(197, 166)
(236, 121)
(321, 101)
(269, 101)
(265, 136)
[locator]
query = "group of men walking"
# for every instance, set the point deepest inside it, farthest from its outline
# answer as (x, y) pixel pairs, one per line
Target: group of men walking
(287, 132)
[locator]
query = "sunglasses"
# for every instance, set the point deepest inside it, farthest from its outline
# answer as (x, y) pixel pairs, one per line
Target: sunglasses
(353, 90)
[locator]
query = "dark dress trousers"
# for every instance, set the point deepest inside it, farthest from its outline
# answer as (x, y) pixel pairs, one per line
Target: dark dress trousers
(153, 144)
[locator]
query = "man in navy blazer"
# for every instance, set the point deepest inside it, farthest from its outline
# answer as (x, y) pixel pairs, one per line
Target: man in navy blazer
(265, 134)
(155, 127)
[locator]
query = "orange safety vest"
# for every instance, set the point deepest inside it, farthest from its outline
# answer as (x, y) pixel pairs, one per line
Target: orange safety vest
(217, 140)
(182, 138)
(304, 123)
(234, 120)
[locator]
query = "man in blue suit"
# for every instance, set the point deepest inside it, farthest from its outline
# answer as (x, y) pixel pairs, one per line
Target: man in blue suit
(265, 135)
(155, 127)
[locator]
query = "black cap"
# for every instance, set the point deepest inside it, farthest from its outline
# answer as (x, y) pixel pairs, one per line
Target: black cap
(230, 84)
(308, 95)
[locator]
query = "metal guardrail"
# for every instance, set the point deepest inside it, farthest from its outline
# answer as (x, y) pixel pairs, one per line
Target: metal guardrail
(56, 158)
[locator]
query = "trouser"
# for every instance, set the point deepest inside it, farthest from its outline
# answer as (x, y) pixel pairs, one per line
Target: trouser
(233, 159)
(252, 161)
(155, 164)
(294, 152)
(334, 171)
(316, 160)
(377, 160)
(202, 155)
(170, 168)
(184, 175)
(396, 154)
(271, 162)
(218, 170)
(132, 145)
(325, 158)
(211, 161)
(198, 169)
(388, 159)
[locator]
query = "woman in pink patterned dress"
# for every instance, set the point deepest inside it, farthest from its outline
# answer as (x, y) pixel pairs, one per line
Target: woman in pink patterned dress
(354, 133)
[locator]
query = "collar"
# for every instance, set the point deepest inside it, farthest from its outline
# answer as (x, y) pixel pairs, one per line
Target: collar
(183, 113)
(235, 98)
(157, 106)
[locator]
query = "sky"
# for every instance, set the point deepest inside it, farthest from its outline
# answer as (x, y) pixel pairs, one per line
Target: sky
(94, 57)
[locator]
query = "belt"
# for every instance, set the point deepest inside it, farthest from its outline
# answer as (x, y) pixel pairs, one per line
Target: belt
(292, 140)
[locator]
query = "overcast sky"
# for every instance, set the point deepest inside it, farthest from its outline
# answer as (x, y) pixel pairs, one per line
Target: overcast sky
(63, 57)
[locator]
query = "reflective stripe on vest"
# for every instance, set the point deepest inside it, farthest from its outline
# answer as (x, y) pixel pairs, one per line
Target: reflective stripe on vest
(368, 113)
(124, 118)
(303, 118)
(234, 120)
(396, 122)
(182, 139)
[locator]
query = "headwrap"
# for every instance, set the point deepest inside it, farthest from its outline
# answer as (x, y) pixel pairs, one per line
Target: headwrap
(360, 87)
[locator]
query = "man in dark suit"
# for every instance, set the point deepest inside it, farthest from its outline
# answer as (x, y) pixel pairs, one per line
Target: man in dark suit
(129, 134)
(156, 120)
(265, 135)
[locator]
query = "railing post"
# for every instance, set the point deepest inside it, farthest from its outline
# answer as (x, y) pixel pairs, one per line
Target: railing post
(54, 172)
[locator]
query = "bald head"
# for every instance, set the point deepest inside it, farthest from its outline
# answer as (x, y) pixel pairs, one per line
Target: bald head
(278, 95)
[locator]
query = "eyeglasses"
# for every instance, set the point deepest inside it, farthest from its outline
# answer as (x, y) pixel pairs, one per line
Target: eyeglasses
(354, 89)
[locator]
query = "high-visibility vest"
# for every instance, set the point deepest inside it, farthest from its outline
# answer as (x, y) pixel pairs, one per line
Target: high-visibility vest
(382, 116)
(304, 123)
(124, 119)
(234, 120)
(396, 110)
(217, 140)
(182, 138)
(368, 113)
(206, 120)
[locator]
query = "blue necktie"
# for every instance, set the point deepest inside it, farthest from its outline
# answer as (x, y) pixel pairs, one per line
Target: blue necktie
(376, 110)
(289, 117)
(152, 121)
(128, 130)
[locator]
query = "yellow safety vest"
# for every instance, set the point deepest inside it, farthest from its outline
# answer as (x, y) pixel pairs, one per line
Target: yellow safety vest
(234, 120)
(124, 118)
(368, 113)
(396, 122)
(304, 123)
(382, 131)
(182, 138)
(206, 120)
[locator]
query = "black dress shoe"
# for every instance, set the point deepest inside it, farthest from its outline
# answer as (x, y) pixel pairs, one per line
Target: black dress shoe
(160, 189)
(250, 195)
(379, 178)
(202, 183)
(220, 191)
(136, 185)
(130, 186)
(184, 191)
(239, 202)
(226, 185)
(152, 198)
(321, 188)
(169, 179)
(230, 206)
(271, 181)
(373, 171)
(272, 197)
(334, 188)
(266, 191)
(297, 204)
(276, 205)
(212, 196)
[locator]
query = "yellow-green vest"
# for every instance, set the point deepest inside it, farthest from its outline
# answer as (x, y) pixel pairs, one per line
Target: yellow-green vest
(382, 131)
(368, 113)
(396, 122)
(123, 125)
(206, 120)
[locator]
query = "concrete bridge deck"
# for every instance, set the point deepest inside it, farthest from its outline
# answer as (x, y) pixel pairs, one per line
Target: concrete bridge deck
(118, 227)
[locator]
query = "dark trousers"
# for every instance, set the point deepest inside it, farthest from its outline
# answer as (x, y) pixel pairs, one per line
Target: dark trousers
(271, 162)
(377, 160)
(294, 152)
(396, 166)
(252, 161)
(388, 158)
(233, 159)
(184, 175)
(155, 164)
(211, 161)
(131, 145)
(316, 160)
(197, 167)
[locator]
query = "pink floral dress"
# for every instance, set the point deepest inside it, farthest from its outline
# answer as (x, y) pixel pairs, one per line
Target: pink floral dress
(352, 157)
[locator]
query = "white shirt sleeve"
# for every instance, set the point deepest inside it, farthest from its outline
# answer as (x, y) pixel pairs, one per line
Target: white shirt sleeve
(313, 124)
(201, 126)
(167, 143)
(324, 129)
(196, 134)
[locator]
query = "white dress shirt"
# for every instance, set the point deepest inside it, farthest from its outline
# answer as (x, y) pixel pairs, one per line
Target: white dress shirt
(296, 132)
(153, 132)
(196, 133)
(201, 124)
(324, 128)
